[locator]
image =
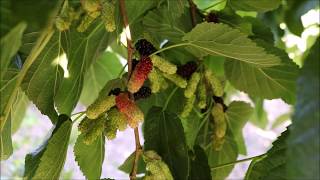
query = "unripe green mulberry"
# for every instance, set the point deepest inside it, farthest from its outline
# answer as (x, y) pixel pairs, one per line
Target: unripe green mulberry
(100, 105)
(118, 117)
(62, 24)
(87, 21)
(202, 93)
(150, 156)
(164, 65)
(129, 109)
(176, 79)
(108, 16)
(91, 129)
(90, 5)
(217, 143)
(157, 81)
(188, 106)
(192, 85)
(219, 120)
(159, 170)
(111, 128)
(215, 83)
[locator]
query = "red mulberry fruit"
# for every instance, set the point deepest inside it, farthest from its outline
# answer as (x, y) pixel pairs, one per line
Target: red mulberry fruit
(144, 47)
(187, 69)
(140, 74)
(143, 93)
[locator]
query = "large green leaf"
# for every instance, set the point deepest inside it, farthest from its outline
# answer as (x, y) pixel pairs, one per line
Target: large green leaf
(192, 125)
(265, 82)
(90, 157)
(44, 76)
(199, 168)
(6, 148)
(82, 49)
(228, 153)
(238, 114)
(271, 165)
(220, 39)
(253, 5)
(163, 133)
(21, 104)
(303, 143)
(47, 161)
(106, 67)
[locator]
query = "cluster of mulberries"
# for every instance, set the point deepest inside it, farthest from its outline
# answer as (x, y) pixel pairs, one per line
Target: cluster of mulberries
(128, 107)
(143, 93)
(100, 106)
(91, 129)
(115, 121)
(139, 74)
(220, 126)
(212, 17)
(156, 168)
(144, 47)
(66, 17)
(187, 69)
(107, 16)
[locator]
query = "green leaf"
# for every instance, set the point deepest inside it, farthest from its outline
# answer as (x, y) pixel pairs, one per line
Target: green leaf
(44, 76)
(264, 167)
(163, 133)
(293, 13)
(136, 10)
(82, 49)
(303, 143)
(6, 148)
(220, 39)
(191, 126)
(47, 161)
(228, 153)
(199, 168)
(127, 164)
(253, 5)
(20, 105)
(238, 114)
(106, 67)
(9, 45)
(216, 64)
(90, 157)
(265, 82)
(260, 117)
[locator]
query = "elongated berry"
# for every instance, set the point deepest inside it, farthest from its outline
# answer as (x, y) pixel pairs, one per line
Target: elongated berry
(217, 143)
(90, 5)
(150, 156)
(111, 128)
(163, 65)
(119, 118)
(202, 94)
(140, 74)
(129, 109)
(144, 47)
(62, 24)
(187, 69)
(144, 92)
(220, 122)
(188, 106)
(108, 16)
(100, 105)
(215, 83)
(87, 21)
(177, 80)
(192, 85)
(91, 129)
(157, 81)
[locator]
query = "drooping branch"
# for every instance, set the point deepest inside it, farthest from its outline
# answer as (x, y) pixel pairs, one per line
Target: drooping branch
(138, 150)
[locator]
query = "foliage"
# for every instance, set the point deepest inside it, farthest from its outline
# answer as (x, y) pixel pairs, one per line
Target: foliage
(185, 60)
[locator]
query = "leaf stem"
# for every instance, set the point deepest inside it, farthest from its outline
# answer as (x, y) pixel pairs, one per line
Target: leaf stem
(78, 117)
(138, 150)
(239, 161)
(170, 47)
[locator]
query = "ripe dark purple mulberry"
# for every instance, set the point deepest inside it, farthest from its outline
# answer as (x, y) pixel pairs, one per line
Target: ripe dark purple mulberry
(212, 17)
(115, 91)
(144, 47)
(187, 69)
(134, 63)
(143, 93)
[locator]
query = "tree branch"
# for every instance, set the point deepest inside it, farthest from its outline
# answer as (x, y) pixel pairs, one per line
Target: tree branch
(193, 10)
(138, 150)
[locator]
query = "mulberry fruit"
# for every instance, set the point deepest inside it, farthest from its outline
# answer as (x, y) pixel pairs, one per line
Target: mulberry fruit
(143, 93)
(87, 21)
(134, 63)
(115, 91)
(188, 107)
(111, 124)
(177, 80)
(219, 120)
(108, 16)
(129, 109)
(192, 85)
(156, 167)
(90, 5)
(119, 118)
(217, 143)
(144, 47)
(100, 105)
(91, 129)
(202, 94)
(163, 65)
(215, 83)
(140, 74)
(187, 69)
(220, 100)
(157, 81)
(62, 24)
(212, 17)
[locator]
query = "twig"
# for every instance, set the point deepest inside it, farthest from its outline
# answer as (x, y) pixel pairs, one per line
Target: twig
(193, 10)
(138, 150)
(235, 162)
